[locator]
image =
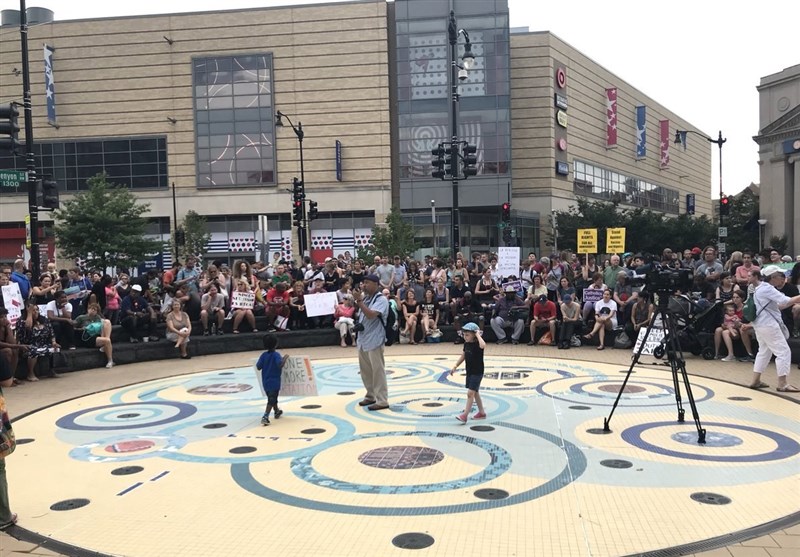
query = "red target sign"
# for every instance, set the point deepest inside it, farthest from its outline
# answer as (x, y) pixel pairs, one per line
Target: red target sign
(561, 77)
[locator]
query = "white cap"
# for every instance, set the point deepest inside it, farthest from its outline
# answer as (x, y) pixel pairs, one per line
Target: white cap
(770, 270)
(136, 287)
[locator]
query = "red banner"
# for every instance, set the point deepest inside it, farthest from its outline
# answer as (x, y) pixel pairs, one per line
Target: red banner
(665, 140)
(611, 117)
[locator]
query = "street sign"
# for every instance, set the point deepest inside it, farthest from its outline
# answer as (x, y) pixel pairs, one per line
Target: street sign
(721, 247)
(723, 232)
(12, 178)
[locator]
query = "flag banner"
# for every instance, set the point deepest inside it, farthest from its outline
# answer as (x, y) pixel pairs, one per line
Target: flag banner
(49, 85)
(664, 125)
(641, 132)
(682, 137)
(611, 117)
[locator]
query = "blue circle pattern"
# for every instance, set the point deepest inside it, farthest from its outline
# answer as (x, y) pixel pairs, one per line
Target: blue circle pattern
(578, 388)
(642, 402)
(444, 378)
(500, 461)
(183, 411)
(84, 452)
(787, 447)
(573, 469)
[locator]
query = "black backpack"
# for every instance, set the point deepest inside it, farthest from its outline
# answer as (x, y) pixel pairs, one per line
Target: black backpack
(390, 327)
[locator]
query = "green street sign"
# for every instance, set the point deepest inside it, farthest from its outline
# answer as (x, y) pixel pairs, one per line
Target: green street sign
(12, 178)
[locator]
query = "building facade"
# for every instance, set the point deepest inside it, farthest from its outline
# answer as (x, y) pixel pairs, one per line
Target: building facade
(185, 104)
(778, 142)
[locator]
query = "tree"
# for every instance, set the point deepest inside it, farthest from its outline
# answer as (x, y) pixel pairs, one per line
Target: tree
(104, 226)
(195, 237)
(397, 237)
(742, 223)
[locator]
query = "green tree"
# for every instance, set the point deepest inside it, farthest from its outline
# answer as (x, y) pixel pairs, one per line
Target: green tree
(105, 226)
(397, 237)
(196, 237)
(742, 223)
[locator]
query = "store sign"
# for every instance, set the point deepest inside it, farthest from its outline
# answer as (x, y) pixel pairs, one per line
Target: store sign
(561, 101)
(338, 160)
(562, 168)
(561, 117)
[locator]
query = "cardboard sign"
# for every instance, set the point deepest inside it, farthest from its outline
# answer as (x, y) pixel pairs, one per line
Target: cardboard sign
(587, 240)
(320, 304)
(653, 340)
(297, 377)
(243, 300)
(13, 302)
(508, 259)
(615, 240)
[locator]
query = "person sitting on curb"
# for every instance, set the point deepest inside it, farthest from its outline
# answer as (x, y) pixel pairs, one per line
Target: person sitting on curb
(179, 328)
(96, 332)
(544, 317)
(505, 318)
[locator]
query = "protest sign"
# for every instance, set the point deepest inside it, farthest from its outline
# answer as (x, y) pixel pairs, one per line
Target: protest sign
(297, 377)
(320, 304)
(242, 300)
(654, 340)
(615, 240)
(12, 300)
(508, 261)
(587, 240)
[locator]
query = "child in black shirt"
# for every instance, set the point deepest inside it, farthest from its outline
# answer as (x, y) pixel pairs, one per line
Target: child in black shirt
(473, 355)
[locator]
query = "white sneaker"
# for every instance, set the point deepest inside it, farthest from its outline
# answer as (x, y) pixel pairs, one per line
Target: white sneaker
(109, 365)
(728, 359)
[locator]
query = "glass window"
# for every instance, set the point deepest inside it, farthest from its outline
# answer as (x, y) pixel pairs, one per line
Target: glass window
(594, 181)
(234, 110)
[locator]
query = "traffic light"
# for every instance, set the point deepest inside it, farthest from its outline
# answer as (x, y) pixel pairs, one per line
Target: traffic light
(180, 237)
(724, 205)
(468, 160)
(9, 128)
(506, 212)
(298, 190)
(298, 196)
(297, 213)
(442, 161)
(507, 235)
(313, 212)
(49, 195)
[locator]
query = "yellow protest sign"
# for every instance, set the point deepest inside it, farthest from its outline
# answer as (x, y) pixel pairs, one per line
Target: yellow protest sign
(615, 240)
(587, 240)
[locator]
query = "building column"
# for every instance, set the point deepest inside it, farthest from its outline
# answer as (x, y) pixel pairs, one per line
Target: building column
(793, 229)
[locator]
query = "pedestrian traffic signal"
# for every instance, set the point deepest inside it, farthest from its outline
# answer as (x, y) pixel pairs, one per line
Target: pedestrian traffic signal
(313, 212)
(506, 212)
(9, 128)
(297, 213)
(442, 161)
(49, 195)
(724, 205)
(468, 160)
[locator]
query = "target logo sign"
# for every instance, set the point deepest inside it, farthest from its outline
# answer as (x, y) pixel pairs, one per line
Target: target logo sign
(561, 77)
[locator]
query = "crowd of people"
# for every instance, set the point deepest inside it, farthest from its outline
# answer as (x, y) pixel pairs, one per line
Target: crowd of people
(562, 300)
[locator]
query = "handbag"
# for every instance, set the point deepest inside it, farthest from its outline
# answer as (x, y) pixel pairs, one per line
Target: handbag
(281, 322)
(7, 440)
(92, 329)
(546, 339)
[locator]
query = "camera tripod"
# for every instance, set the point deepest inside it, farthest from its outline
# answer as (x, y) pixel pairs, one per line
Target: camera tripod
(676, 363)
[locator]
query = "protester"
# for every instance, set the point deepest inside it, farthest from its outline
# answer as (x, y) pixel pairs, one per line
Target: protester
(7, 518)
(605, 315)
(544, 317)
(36, 338)
(571, 322)
(343, 315)
(505, 317)
(179, 328)
(373, 312)
(95, 332)
(136, 316)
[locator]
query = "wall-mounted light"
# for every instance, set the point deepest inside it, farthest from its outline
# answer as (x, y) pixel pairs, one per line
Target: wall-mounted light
(170, 41)
(171, 120)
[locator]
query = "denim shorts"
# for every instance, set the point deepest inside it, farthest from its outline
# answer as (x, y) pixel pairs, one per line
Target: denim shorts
(474, 382)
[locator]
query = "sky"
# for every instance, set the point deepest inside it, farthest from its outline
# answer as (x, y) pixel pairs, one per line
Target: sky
(701, 59)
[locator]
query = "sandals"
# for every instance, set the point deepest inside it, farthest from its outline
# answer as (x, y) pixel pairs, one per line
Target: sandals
(788, 389)
(11, 522)
(759, 385)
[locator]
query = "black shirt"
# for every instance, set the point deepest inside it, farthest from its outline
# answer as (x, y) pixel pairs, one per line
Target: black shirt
(786, 314)
(456, 293)
(473, 357)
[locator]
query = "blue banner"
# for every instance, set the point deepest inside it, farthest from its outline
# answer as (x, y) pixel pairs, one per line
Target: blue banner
(49, 85)
(641, 132)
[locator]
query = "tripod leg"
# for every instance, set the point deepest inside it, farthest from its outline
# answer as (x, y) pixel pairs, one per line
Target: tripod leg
(634, 361)
(675, 358)
(678, 363)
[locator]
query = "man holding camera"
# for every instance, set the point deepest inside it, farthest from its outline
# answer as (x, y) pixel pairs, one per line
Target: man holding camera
(373, 309)
(509, 311)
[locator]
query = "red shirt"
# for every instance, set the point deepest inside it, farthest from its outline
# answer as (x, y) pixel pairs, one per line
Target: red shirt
(545, 310)
(275, 297)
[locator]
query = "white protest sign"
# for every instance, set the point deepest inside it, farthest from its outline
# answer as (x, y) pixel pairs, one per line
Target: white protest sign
(297, 377)
(653, 340)
(243, 300)
(508, 261)
(320, 304)
(592, 295)
(12, 300)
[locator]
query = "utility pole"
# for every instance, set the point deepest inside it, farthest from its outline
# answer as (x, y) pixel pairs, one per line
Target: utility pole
(33, 207)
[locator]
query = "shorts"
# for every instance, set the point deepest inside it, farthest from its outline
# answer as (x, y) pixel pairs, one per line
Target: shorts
(272, 398)
(474, 382)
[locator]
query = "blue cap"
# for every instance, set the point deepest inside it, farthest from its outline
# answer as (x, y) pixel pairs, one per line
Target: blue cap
(373, 277)
(471, 327)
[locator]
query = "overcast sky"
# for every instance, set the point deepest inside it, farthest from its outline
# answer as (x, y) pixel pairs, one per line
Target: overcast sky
(702, 59)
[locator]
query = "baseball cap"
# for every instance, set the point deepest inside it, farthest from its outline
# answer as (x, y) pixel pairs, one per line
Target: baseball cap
(770, 270)
(509, 288)
(542, 298)
(696, 251)
(138, 288)
(472, 327)
(566, 298)
(373, 278)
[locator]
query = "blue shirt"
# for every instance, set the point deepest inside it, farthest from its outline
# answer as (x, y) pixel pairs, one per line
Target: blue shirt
(24, 284)
(270, 365)
(131, 305)
(374, 335)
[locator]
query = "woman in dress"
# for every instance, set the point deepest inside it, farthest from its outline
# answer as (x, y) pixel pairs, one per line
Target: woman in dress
(179, 328)
(442, 296)
(411, 315)
(36, 338)
(486, 289)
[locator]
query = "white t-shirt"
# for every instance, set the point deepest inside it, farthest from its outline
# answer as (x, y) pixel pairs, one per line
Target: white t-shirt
(51, 306)
(600, 304)
(767, 298)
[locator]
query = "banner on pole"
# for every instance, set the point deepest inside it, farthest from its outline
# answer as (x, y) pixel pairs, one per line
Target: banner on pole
(615, 240)
(587, 240)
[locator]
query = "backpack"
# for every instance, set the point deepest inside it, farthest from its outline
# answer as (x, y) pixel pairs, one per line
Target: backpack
(390, 327)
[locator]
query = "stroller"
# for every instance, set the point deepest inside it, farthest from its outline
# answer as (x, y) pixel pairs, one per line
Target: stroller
(695, 323)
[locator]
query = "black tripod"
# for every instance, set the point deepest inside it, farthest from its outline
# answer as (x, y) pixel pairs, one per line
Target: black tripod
(676, 363)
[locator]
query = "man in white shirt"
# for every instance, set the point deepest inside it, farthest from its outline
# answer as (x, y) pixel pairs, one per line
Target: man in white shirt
(59, 313)
(770, 331)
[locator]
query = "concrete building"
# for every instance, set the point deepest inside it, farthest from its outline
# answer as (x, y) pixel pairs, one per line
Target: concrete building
(189, 100)
(778, 142)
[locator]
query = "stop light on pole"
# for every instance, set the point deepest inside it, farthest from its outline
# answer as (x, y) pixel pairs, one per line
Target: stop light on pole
(313, 212)
(442, 161)
(506, 212)
(468, 160)
(724, 205)
(49, 195)
(297, 213)
(9, 127)
(298, 197)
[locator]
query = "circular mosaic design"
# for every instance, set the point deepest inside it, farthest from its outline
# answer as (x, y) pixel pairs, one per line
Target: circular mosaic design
(69, 504)
(126, 470)
(399, 457)
(106, 418)
(413, 540)
(220, 389)
(615, 388)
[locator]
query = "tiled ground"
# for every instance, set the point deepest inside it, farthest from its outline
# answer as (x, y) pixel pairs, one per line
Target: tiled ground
(350, 489)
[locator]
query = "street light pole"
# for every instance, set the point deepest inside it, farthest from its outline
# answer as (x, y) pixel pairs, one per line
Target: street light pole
(452, 30)
(680, 137)
(298, 131)
(33, 206)
(761, 224)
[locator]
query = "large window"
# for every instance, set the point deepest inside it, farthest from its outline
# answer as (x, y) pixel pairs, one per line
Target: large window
(595, 181)
(234, 120)
(137, 163)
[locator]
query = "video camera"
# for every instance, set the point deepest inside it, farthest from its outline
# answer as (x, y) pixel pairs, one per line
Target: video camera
(657, 278)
